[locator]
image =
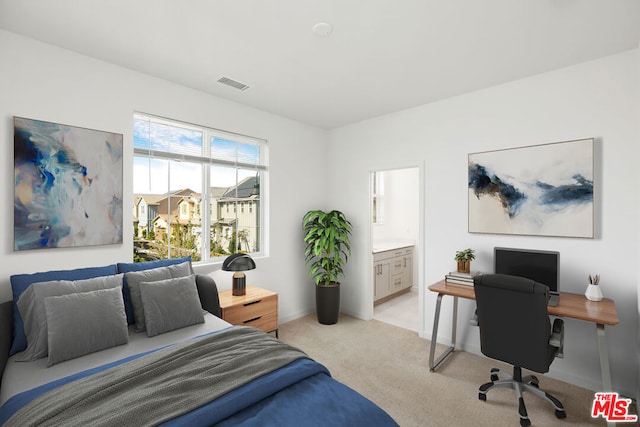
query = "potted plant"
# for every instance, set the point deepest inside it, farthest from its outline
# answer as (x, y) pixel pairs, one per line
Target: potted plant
(464, 258)
(326, 252)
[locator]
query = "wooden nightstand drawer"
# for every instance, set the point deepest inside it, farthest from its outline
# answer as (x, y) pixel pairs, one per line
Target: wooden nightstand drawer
(268, 322)
(241, 313)
(257, 308)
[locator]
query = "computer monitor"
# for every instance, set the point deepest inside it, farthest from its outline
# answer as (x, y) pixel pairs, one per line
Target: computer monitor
(541, 266)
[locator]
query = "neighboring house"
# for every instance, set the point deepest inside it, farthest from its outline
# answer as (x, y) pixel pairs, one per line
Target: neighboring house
(169, 211)
(238, 207)
(146, 209)
(231, 207)
(216, 193)
(136, 200)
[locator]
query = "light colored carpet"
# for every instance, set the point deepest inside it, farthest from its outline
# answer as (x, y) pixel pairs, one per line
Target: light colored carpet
(389, 365)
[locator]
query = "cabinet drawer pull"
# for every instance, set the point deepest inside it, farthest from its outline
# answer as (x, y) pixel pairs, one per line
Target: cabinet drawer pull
(252, 320)
(251, 303)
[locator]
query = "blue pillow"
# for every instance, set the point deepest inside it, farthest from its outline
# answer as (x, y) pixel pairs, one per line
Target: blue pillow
(126, 267)
(20, 283)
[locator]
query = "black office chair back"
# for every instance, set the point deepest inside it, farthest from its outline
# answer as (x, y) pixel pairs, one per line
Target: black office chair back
(514, 321)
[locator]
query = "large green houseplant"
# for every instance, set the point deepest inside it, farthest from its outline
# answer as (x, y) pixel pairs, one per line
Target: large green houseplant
(326, 252)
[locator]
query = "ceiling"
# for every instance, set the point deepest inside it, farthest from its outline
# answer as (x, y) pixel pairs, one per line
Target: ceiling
(381, 56)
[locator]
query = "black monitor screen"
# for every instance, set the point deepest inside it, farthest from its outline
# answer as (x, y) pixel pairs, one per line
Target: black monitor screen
(541, 266)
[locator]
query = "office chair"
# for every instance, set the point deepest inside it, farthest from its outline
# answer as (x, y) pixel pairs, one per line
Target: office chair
(515, 328)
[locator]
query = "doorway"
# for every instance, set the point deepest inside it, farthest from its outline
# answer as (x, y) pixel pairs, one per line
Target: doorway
(395, 231)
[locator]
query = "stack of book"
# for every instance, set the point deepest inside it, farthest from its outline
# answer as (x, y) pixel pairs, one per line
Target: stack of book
(461, 278)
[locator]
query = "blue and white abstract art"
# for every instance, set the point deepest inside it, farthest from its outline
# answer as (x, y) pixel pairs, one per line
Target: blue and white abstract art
(541, 190)
(68, 186)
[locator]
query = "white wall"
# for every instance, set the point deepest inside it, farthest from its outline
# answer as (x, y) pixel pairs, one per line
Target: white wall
(401, 196)
(47, 83)
(597, 99)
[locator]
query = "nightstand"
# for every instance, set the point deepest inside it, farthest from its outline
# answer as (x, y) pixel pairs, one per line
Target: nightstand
(257, 308)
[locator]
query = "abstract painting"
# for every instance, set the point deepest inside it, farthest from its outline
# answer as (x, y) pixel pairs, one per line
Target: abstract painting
(68, 186)
(541, 190)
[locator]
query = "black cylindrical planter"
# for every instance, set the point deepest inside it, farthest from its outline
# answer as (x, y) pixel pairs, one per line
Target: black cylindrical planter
(328, 303)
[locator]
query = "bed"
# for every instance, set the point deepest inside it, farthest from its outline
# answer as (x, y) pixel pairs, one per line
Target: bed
(205, 372)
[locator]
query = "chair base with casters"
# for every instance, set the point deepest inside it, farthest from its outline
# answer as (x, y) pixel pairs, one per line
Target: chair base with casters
(520, 384)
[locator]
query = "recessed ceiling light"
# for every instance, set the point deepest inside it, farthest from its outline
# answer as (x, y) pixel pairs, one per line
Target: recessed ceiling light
(322, 29)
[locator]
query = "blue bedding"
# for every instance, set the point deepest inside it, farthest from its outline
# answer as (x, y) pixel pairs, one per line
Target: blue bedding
(301, 393)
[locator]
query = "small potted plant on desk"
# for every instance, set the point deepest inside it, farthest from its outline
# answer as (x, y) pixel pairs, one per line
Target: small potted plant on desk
(326, 252)
(464, 258)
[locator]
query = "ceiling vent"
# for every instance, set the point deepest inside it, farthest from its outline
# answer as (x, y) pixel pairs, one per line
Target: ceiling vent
(233, 83)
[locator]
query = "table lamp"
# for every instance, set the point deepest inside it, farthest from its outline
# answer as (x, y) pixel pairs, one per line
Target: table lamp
(238, 263)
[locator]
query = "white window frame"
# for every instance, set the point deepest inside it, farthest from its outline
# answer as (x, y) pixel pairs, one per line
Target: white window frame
(377, 194)
(206, 160)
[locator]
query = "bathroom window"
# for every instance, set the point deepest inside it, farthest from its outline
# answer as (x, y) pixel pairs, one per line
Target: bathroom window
(377, 205)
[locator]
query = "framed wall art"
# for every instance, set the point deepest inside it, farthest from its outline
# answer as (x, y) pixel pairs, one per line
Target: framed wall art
(68, 186)
(540, 190)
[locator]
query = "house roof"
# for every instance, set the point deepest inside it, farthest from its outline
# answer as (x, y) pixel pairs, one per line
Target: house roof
(150, 199)
(157, 199)
(247, 188)
(218, 191)
(165, 203)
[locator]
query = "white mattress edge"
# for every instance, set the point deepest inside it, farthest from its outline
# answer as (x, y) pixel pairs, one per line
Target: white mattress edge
(23, 376)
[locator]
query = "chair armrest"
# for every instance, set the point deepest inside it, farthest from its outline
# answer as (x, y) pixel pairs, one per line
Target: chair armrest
(6, 333)
(557, 337)
(208, 293)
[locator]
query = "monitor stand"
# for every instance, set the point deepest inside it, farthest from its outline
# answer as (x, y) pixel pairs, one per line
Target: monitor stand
(553, 300)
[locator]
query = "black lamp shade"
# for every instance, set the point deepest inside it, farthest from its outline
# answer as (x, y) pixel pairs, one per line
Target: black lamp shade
(238, 263)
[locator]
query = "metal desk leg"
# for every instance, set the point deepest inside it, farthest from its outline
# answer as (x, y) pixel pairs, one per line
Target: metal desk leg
(605, 370)
(434, 336)
(604, 358)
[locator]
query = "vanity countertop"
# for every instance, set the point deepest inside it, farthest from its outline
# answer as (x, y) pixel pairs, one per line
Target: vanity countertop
(389, 246)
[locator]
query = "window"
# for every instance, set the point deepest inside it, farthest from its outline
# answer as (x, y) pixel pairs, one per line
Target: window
(377, 193)
(191, 179)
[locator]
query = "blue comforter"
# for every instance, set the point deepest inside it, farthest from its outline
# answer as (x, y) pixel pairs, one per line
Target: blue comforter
(301, 393)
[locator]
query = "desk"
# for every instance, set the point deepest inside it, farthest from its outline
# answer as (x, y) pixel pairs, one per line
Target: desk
(574, 306)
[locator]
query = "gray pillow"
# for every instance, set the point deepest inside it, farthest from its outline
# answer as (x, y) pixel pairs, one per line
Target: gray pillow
(98, 322)
(31, 306)
(134, 278)
(170, 304)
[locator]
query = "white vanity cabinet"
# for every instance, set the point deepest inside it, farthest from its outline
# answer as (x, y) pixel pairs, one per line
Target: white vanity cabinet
(392, 271)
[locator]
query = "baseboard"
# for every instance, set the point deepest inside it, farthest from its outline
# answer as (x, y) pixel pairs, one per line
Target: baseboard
(392, 296)
(356, 314)
(303, 313)
(294, 316)
(585, 383)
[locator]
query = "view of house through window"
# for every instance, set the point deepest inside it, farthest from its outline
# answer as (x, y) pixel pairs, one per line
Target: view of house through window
(188, 182)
